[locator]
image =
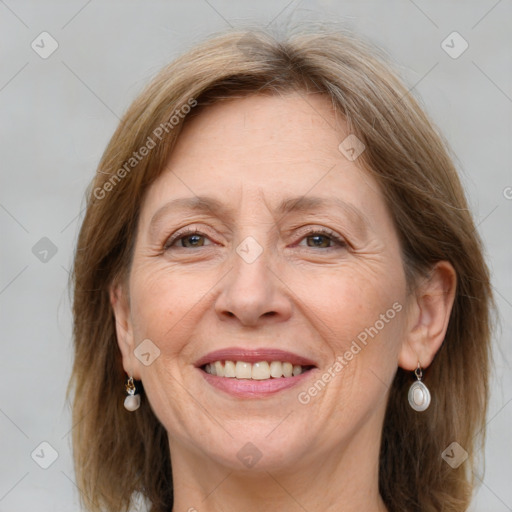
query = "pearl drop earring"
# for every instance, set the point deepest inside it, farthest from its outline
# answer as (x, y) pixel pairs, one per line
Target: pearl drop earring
(419, 395)
(132, 401)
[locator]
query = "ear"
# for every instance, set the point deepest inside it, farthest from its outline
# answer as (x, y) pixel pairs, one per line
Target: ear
(120, 302)
(428, 317)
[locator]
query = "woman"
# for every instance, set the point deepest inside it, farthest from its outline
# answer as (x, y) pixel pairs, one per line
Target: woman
(280, 297)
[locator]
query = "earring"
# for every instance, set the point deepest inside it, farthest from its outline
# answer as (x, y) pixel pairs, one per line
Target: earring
(419, 395)
(132, 401)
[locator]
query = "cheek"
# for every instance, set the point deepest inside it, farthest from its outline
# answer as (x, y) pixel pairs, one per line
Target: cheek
(360, 315)
(352, 303)
(163, 302)
(162, 310)
(362, 320)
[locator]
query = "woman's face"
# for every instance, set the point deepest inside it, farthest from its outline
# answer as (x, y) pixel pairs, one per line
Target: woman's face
(264, 245)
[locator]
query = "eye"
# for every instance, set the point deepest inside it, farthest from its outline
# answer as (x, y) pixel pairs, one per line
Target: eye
(187, 239)
(323, 239)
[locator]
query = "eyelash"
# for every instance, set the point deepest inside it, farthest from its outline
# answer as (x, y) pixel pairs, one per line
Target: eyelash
(340, 242)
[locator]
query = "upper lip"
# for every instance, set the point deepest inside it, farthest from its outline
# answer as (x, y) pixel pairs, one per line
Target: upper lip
(253, 356)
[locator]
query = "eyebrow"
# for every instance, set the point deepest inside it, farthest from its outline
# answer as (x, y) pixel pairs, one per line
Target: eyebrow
(208, 204)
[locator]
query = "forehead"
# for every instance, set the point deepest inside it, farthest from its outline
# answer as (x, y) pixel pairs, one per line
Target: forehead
(283, 125)
(262, 148)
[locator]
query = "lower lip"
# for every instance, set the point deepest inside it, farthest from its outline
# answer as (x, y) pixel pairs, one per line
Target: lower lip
(249, 388)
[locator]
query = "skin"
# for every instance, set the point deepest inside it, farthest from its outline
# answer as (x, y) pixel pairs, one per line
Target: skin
(304, 293)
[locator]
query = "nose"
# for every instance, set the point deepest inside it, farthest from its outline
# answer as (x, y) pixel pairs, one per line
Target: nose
(253, 294)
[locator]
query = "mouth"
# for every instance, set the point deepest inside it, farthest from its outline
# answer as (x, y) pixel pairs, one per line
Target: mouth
(251, 373)
(261, 370)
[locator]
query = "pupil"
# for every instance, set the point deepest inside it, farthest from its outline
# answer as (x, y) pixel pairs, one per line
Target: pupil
(319, 241)
(193, 240)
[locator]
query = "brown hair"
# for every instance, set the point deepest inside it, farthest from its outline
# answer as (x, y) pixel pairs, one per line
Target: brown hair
(118, 453)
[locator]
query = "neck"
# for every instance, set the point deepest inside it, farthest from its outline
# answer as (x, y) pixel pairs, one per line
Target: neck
(342, 479)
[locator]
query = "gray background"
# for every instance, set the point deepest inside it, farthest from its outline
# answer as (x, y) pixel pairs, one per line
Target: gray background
(57, 115)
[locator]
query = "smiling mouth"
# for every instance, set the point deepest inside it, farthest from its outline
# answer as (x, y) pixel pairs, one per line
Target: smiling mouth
(261, 370)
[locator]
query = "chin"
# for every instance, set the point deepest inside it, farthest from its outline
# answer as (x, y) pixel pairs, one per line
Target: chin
(257, 453)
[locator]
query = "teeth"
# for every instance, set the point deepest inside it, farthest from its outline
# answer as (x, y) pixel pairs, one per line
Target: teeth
(219, 369)
(243, 370)
(229, 369)
(276, 369)
(261, 370)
